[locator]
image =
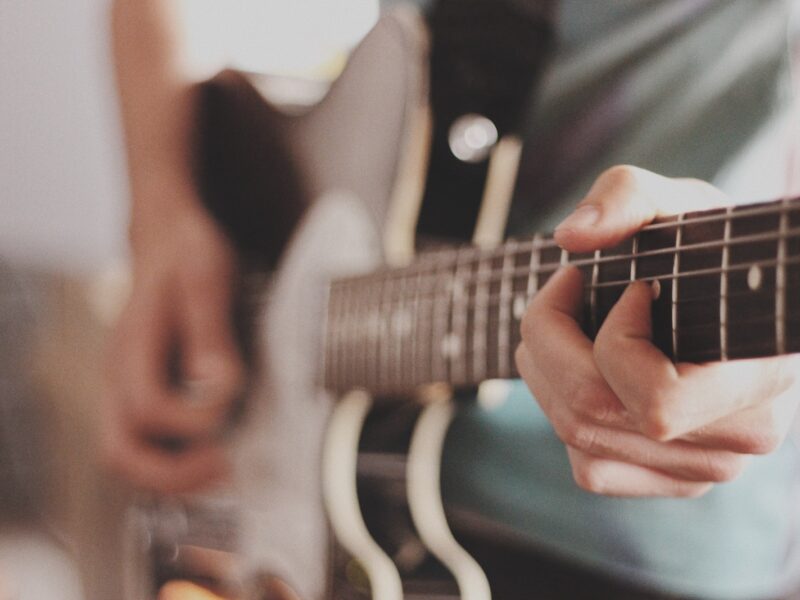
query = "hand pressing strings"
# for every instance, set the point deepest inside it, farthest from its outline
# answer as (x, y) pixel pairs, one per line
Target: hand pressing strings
(634, 423)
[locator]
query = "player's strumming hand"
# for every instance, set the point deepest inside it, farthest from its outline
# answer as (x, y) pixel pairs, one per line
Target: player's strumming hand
(174, 367)
(634, 423)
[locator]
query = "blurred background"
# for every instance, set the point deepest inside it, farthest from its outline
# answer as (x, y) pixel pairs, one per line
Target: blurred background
(63, 219)
(63, 212)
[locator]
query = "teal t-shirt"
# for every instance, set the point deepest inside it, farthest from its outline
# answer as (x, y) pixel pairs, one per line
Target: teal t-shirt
(505, 465)
(684, 88)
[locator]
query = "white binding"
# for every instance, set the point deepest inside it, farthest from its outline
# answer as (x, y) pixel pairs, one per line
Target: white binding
(425, 500)
(341, 497)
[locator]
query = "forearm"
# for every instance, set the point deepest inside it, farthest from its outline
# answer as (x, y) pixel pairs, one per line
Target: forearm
(157, 109)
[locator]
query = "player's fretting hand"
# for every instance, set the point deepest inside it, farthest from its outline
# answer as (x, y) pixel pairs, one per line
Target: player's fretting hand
(634, 423)
(180, 306)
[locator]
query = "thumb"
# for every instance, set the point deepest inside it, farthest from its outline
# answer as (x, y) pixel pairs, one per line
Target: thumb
(626, 198)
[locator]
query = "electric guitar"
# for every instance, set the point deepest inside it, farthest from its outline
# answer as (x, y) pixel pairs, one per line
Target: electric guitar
(359, 341)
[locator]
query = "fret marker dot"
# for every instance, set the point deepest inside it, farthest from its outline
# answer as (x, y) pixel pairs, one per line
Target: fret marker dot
(451, 345)
(401, 322)
(458, 288)
(656, 289)
(519, 307)
(754, 277)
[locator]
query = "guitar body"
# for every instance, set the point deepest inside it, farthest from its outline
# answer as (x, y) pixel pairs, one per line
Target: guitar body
(278, 455)
(308, 196)
(336, 489)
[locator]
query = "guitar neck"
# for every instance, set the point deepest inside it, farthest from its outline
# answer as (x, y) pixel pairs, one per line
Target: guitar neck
(728, 284)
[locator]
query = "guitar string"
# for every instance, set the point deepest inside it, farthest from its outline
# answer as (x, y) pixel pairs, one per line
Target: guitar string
(547, 242)
(552, 266)
(460, 362)
(468, 354)
(464, 358)
(418, 323)
(424, 324)
(495, 302)
(521, 277)
(432, 259)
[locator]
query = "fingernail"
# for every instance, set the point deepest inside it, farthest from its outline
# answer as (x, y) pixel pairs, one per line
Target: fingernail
(583, 217)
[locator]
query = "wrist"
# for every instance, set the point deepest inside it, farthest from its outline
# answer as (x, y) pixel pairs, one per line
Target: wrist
(161, 204)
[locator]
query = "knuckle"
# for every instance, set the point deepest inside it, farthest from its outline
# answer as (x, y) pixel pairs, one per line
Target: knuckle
(720, 468)
(762, 441)
(622, 177)
(582, 436)
(656, 424)
(589, 476)
(591, 401)
(658, 417)
(602, 408)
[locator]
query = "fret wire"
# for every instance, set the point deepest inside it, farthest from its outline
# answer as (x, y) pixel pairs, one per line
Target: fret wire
(497, 300)
(534, 267)
(550, 267)
(436, 297)
(634, 254)
(354, 328)
(384, 331)
(702, 272)
(375, 331)
(757, 237)
(363, 306)
(339, 339)
(433, 308)
(757, 319)
(397, 318)
(564, 258)
(593, 292)
(740, 349)
(480, 320)
(433, 258)
(413, 367)
(729, 295)
(780, 282)
(651, 278)
(331, 330)
(458, 324)
(347, 325)
(723, 289)
(767, 208)
(504, 312)
(742, 322)
(676, 264)
(356, 334)
(345, 338)
(441, 323)
(346, 334)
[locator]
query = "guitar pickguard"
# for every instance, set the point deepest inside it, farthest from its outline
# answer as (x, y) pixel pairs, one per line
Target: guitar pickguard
(284, 531)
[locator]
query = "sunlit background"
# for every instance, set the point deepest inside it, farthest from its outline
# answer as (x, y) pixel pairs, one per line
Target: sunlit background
(63, 206)
(62, 181)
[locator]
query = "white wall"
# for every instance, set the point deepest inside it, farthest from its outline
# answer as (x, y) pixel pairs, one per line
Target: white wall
(62, 184)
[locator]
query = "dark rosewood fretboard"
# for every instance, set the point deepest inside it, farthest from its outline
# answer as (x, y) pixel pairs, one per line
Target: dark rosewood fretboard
(729, 288)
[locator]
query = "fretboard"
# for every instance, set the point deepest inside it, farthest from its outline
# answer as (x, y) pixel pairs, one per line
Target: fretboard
(728, 281)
